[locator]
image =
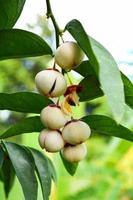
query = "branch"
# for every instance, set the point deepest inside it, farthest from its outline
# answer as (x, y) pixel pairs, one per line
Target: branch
(50, 15)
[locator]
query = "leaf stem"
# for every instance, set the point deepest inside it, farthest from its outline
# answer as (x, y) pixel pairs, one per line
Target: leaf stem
(50, 14)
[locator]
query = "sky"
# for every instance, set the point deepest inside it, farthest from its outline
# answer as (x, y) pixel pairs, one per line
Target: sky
(108, 21)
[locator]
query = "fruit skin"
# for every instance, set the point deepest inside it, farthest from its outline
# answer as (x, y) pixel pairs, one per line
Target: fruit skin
(51, 83)
(52, 140)
(76, 132)
(74, 153)
(41, 137)
(52, 117)
(69, 55)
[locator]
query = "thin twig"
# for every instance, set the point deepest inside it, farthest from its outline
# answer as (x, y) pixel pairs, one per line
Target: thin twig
(50, 15)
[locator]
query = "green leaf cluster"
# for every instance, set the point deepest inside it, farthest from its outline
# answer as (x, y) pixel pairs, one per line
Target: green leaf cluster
(26, 163)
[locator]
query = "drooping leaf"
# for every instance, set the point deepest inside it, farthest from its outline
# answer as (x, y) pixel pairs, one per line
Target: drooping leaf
(26, 102)
(86, 70)
(10, 11)
(90, 84)
(104, 65)
(28, 125)
(44, 175)
(7, 175)
(90, 88)
(24, 167)
(106, 126)
(1, 156)
(17, 43)
(70, 167)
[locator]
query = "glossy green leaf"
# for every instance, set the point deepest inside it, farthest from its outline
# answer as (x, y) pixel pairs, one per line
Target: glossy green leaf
(7, 175)
(28, 125)
(86, 70)
(90, 84)
(90, 88)
(70, 167)
(26, 102)
(43, 172)
(10, 11)
(16, 43)
(106, 126)
(24, 167)
(1, 156)
(104, 66)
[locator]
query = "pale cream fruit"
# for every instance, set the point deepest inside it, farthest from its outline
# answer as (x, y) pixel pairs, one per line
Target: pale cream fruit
(42, 137)
(51, 83)
(69, 55)
(74, 153)
(53, 141)
(52, 117)
(76, 132)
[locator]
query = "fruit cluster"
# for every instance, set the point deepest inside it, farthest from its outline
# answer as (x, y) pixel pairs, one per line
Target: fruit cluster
(62, 134)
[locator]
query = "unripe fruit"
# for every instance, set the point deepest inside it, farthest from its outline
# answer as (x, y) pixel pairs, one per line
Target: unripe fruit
(51, 83)
(52, 117)
(76, 132)
(68, 55)
(52, 140)
(74, 153)
(41, 137)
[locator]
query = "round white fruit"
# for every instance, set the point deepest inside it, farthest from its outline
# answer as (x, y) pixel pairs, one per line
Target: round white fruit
(41, 137)
(74, 153)
(53, 141)
(51, 83)
(68, 55)
(52, 117)
(76, 132)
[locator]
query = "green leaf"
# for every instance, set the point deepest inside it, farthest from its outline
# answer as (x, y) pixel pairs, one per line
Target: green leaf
(44, 175)
(26, 102)
(7, 175)
(76, 29)
(24, 166)
(86, 70)
(90, 88)
(106, 126)
(28, 125)
(128, 88)
(16, 43)
(90, 84)
(1, 157)
(70, 167)
(104, 66)
(10, 11)
(52, 170)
